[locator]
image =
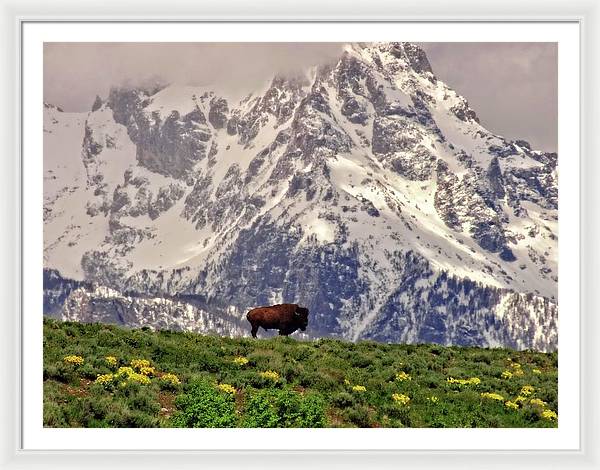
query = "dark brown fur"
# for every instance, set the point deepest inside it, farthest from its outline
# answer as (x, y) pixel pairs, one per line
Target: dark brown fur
(286, 318)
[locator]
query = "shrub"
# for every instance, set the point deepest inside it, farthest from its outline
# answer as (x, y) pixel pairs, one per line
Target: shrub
(88, 371)
(342, 399)
(139, 420)
(169, 382)
(300, 353)
(260, 412)
(311, 374)
(209, 362)
(87, 411)
(359, 415)
(142, 401)
(203, 406)
(62, 372)
(107, 338)
(317, 381)
(393, 410)
(138, 339)
(359, 360)
(272, 408)
(53, 415)
(312, 412)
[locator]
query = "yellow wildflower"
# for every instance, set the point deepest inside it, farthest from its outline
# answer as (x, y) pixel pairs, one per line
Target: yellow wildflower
(149, 371)
(72, 359)
(527, 390)
(492, 396)
(270, 374)
(537, 402)
(520, 399)
(124, 371)
(170, 378)
(226, 388)
(433, 399)
(401, 398)
(549, 415)
(536, 371)
(359, 388)
(471, 381)
(511, 405)
(131, 376)
(346, 382)
(517, 371)
(401, 376)
(240, 361)
(111, 360)
(139, 378)
(507, 374)
(104, 379)
(140, 363)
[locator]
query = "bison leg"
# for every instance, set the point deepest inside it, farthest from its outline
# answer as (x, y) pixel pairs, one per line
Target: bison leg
(254, 330)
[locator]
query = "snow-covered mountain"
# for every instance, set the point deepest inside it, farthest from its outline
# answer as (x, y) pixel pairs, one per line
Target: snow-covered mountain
(366, 190)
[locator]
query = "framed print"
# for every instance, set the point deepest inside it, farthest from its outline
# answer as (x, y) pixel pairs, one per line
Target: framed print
(342, 238)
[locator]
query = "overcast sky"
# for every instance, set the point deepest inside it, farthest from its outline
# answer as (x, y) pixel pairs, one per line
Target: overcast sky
(511, 86)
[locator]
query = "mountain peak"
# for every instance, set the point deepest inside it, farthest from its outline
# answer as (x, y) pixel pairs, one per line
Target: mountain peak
(290, 80)
(409, 53)
(365, 190)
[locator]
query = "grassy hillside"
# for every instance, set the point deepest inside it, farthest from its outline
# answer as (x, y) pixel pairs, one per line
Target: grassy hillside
(103, 376)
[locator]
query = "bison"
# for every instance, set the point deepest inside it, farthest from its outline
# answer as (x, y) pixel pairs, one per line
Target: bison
(286, 318)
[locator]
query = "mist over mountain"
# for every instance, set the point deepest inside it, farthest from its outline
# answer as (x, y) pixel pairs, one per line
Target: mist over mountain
(366, 190)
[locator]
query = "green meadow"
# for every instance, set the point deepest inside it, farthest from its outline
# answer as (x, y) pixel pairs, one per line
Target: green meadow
(98, 375)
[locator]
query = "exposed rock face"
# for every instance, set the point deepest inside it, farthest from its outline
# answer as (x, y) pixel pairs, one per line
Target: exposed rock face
(366, 190)
(101, 304)
(217, 115)
(97, 104)
(170, 145)
(439, 308)
(56, 291)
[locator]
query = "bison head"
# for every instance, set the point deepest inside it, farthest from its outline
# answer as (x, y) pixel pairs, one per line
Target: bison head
(301, 316)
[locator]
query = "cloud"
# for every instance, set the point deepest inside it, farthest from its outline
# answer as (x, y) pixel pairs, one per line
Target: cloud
(511, 86)
(75, 72)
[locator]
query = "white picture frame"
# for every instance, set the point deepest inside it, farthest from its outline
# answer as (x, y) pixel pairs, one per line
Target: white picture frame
(17, 13)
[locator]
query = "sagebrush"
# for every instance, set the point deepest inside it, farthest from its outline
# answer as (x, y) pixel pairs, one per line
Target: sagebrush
(142, 378)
